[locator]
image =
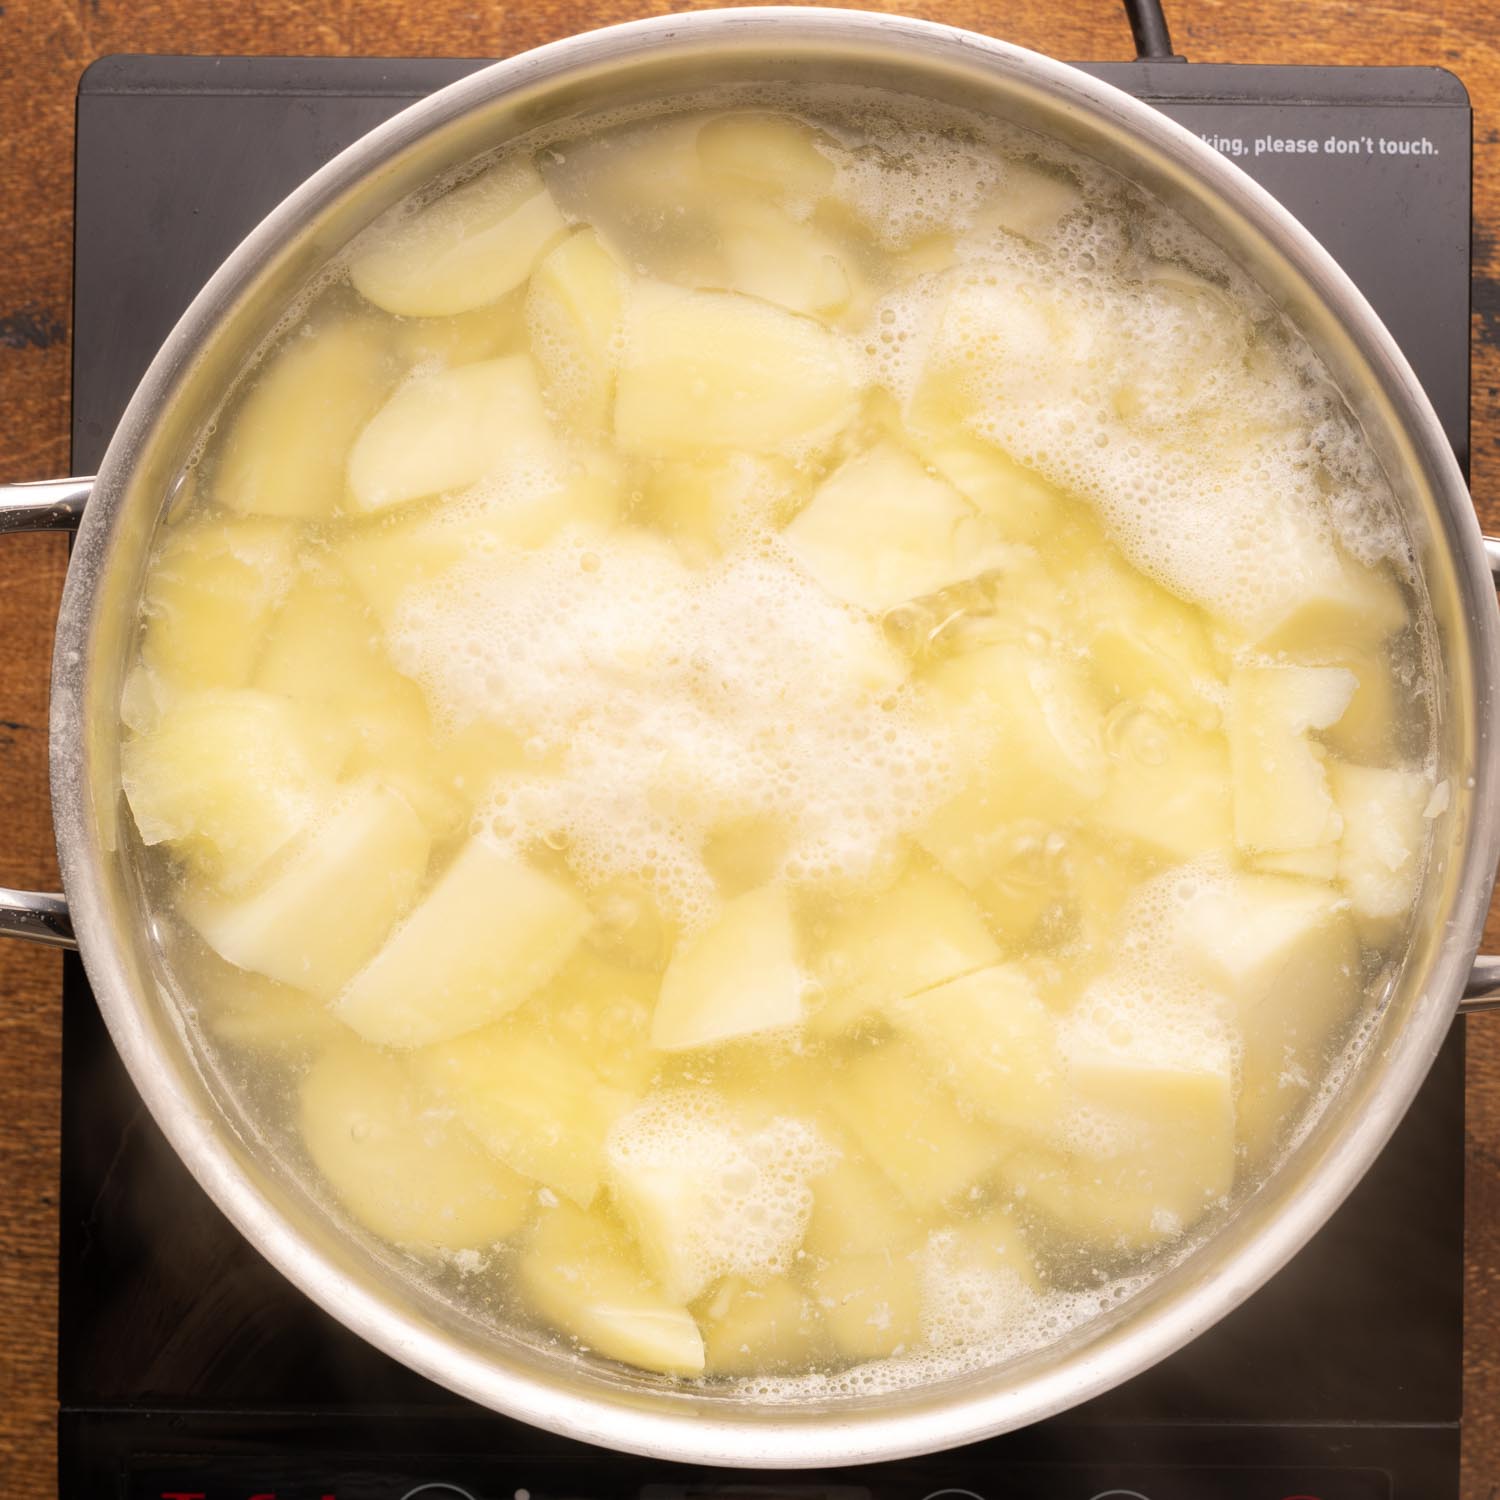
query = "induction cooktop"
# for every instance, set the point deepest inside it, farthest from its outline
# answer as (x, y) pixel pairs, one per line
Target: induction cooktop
(190, 1370)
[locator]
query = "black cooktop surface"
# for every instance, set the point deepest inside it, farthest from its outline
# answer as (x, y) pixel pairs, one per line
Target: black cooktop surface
(190, 1369)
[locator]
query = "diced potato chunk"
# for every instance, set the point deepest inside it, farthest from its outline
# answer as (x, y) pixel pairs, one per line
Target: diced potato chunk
(329, 899)
(738, 977)
(210, 590)
(1284, 954)
(856, 1211)
(402, 1168)
(580, 1275)
(1145, 645)
(750, 1329)
(718, 370)
(1385, 836)
(285, 451)
(603, 1013)
(392, 555)
(766, 153)
(1020, 503)
(1153, 1145)
(1016, 871)
(706, 1193)
(1030, 728)
(871, 1304)
(784, 260)
(323, 648)
(992, 1041)
(531, 1098)
(490, 932)
(574, 308)
(481, 333)
(1030, 201)
(881, 530)
(910, 1128)
(450, 429)
(1366, 731)
(1281, 795)
(228, 777)
(470, 247)
(707, 505)
(250, 1011)
(923, 930)
(1349, 605)
(1168, 788)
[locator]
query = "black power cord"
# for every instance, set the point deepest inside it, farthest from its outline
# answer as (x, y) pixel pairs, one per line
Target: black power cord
(1153, 42)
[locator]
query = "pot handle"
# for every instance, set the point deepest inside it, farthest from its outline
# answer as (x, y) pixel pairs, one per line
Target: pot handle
(1482, 992)
(46, 505)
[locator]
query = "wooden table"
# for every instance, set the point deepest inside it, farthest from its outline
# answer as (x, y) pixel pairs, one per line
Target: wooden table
(45, 45)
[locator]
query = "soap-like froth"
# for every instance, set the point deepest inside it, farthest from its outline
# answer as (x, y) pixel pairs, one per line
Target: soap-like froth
(663, 702)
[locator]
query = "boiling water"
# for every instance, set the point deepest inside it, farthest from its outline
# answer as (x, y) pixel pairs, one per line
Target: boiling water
(784, 740)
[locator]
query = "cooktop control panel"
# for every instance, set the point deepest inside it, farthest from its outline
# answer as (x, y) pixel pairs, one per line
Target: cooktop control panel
(162, 1479)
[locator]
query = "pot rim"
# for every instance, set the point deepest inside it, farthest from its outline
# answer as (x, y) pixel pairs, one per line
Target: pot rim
(628, 1421)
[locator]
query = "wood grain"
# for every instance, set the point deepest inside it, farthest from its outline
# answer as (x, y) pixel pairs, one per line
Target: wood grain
(44, 46)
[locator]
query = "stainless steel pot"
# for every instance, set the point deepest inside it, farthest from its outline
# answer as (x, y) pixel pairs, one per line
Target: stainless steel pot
(96, 634)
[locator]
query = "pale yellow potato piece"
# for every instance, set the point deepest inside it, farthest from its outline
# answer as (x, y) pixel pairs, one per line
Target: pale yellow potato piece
(490, 932)
(765, 153)
(404, 1169)
(1285, 955)
(393, 554)
(1153, 1145)
(1015, 870)
(449, 429)
(329, 900)
(923, 930)
(531, 1098)
(1168, 788)
(324, 648)
(992, 1041)
(910, 1127)
(1281, 795)
(769, 1328)
(1366, 731)
(287, 444)
(708, 504)
(1031, 201)
(470, 247)
(1385, 836)
(881, 530)
(737, 977)
(1030, 726)
(767, 253)
(856, 1211)
(1021, 504)
(481, 333)
(1145, 645)
(209, 591)
(1321, 863)
(580, 1275)
(871, 1304)
(574, 307)
(706, 1191)
(227, 777)
(1349, 606)
(250, 1011)
(602, 1012)
(718, 370)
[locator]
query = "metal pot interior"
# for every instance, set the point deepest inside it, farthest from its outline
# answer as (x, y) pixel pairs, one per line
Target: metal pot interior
(201, 1109)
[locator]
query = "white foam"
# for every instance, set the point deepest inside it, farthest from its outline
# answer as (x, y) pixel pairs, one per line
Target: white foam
(671, 700)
